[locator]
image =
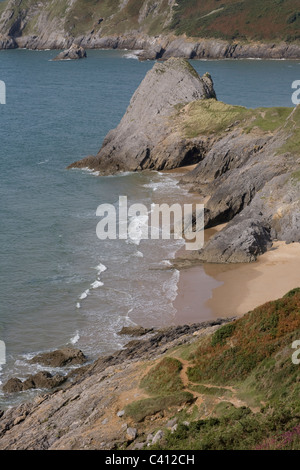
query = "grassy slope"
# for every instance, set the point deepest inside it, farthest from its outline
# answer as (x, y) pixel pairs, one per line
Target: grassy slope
(210, 117)
(246, 362)
(270, 20)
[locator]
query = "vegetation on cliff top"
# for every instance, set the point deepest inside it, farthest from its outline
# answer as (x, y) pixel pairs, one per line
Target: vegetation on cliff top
(210, 117)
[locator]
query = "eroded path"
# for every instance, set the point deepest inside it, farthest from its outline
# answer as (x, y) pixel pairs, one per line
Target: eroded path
(200, 397)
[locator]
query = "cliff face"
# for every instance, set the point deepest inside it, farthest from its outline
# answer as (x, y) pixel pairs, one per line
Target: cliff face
(161, 28)
(250, 176)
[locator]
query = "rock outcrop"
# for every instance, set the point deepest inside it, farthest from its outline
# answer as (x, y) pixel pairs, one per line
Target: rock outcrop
(75, 52)
(251, 180)
(144, 139)
(60, 358)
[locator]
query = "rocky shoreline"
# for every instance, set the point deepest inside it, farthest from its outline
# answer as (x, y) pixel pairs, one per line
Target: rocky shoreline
(70, 413)
(159, 47)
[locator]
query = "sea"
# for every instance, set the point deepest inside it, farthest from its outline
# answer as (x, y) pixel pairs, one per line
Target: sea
(59, 284)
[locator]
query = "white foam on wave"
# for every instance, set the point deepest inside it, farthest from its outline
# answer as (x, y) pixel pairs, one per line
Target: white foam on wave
(84, 294)
(138, 254)
(75, 338)
(100, 268)
(166, 262)
(170, 287)
(164, 184)
(133, 54)
(78, 305)
(88, 170)
(138, 225)
(97, 284)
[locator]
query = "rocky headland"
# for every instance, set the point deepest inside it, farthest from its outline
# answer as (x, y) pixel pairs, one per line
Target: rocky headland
(247, 160)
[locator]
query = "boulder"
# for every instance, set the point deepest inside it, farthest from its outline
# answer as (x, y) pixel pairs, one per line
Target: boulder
(158, 437)
(42, 379)
(74, 53)
(60, 358)
(13, 385)
(134, 331)
(131, 434)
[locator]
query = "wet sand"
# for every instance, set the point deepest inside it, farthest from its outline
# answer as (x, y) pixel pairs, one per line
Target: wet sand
(210, 291)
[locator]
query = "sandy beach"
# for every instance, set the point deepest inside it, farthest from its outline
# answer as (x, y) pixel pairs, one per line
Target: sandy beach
(211, 290)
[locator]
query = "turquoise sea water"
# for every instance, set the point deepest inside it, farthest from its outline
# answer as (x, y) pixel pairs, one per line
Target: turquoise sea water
(59, 112)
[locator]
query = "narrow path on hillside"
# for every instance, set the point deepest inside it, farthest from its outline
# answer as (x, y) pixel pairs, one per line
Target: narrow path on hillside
(200, 396)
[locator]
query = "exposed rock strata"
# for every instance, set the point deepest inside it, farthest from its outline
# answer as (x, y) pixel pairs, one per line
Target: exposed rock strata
(253, 184)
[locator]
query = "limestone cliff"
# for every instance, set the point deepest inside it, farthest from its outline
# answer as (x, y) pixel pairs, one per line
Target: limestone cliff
(144, 138)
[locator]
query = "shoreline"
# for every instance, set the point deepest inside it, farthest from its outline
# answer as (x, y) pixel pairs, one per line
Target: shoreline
(162, 47)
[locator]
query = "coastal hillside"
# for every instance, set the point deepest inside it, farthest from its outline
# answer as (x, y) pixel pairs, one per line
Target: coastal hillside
(212, 386)
(147, 23)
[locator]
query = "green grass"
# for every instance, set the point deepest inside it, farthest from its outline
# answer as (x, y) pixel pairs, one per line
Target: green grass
(221, 335)
(206, 117)
(268, 119)
(164, 378)
(253, 355)
(212, 117)
(140, 409)
(292, 128)
(234, 429)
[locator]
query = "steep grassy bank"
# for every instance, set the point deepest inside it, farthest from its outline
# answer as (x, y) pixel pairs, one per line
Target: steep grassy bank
(245, 385)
